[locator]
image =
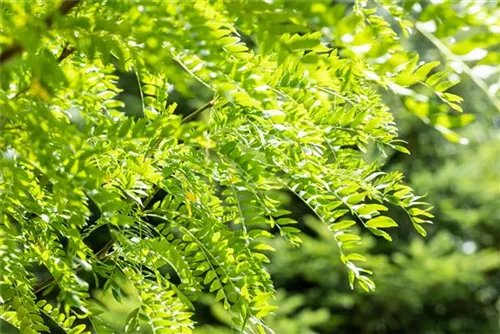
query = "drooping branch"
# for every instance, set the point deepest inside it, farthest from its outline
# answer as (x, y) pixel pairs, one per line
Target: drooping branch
(16, 49)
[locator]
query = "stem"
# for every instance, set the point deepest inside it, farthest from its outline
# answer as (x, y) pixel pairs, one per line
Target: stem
(42, 286)
(198, 111)
(140, 90)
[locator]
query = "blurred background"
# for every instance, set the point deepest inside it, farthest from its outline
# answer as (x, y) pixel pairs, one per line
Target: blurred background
(448, 282)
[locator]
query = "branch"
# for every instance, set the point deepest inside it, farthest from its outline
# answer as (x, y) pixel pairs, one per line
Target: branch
(64, 9)
(10, 53)
(66, 52)
(14, 50)
(42, 286)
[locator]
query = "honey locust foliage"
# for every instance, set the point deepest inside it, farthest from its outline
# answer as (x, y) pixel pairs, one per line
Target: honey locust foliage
(188, 205)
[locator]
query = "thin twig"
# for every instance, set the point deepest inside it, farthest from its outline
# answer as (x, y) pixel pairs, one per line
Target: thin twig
(45, 284)
(198, 111)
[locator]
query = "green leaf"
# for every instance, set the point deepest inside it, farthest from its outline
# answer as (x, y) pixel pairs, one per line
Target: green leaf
(441, 87)
(370, 208)
(77, 330)
(215, 285)
(341, 225)
(132, 321)
(380, 233)
(209, 277)
(355, 257)
(435, 78)
(348, 237)
(424, 70)
(420, 229)
(420, 212)
(381, 222)
(401, 149)
(220, 295)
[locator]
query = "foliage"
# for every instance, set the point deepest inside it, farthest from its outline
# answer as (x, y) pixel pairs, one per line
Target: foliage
(156, 209)
(449, 282)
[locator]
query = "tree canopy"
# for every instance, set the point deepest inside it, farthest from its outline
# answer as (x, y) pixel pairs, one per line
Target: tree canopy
(181, 199)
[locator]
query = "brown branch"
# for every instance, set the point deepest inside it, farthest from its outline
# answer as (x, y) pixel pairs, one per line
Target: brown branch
(64, 9)
(104, 250)
(42, 286)
(10, 53)
(66, 52)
